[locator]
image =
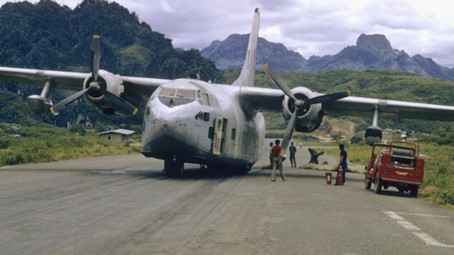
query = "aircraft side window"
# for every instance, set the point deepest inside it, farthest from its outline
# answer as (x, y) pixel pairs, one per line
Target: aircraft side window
(148, 111)
(199, 97)
(211, 132)
(206, 116)
(214, 101)
(233, 134)
(205, 99)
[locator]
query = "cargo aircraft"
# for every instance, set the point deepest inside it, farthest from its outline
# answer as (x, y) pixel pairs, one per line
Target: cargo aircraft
(218, 125)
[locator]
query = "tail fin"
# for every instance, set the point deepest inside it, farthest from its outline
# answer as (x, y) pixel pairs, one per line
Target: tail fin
(247, 75)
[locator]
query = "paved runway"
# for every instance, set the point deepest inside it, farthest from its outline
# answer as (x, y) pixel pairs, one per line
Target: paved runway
(126, 205)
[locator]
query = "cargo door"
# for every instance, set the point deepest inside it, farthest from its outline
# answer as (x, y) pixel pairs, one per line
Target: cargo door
(218, 135)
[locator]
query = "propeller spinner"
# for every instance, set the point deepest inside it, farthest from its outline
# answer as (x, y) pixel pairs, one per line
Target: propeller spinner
(94, 86)
(300, 105)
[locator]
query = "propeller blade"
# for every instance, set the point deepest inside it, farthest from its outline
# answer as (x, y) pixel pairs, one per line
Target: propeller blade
(60, 105)
(299, 104)
(327, 98)
(120, 102)
(278, 81)
(288, 133)
(96, 56)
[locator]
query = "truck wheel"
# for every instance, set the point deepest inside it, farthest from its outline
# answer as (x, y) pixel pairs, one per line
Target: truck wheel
(367, 182)
(377, 184)
(414, 191)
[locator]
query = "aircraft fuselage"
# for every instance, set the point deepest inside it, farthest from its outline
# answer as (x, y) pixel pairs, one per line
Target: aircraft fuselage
(198, 122)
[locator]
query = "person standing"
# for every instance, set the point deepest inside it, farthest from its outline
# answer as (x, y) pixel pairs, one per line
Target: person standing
(277, 161)
(292, 150)
(271, 155)
(343, 161)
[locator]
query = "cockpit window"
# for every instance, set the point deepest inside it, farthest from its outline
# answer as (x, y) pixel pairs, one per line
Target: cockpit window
(173, 97)
(186, 93)
(167, 92)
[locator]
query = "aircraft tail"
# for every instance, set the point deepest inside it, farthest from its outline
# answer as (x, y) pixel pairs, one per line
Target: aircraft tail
(247, 75)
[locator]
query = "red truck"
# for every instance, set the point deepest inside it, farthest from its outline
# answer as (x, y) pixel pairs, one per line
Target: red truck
(395, 164)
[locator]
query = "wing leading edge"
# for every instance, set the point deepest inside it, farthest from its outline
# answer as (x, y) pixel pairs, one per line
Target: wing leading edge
(271, 100)
(75, 80)
(363, 106)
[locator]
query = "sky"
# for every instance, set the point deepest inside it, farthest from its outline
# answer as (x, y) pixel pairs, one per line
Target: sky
(310, 27)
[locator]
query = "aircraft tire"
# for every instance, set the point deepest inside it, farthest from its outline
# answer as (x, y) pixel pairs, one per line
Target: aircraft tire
(174, 168)
(244, 169)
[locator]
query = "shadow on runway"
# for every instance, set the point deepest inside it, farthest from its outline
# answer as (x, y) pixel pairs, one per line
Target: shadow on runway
(195, 172)
(393, 192)
(308, 174)
(191, 173)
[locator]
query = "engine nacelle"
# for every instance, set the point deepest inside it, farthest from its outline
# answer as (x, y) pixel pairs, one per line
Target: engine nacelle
(39, 104)
(110, 82)
(310, 118)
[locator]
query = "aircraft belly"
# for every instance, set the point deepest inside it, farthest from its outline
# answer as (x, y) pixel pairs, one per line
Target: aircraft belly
(165, 147)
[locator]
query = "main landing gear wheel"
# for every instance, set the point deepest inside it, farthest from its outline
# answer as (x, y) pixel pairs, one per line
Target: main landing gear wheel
(174, 168)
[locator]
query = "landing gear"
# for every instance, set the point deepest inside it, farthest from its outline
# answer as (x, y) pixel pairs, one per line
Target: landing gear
(174, 168)
(245, 169)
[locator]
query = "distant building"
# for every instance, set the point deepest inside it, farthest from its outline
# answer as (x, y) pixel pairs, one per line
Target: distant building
(117, 135)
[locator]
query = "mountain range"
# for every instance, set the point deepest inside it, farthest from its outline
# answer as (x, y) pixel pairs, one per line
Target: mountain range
(371, 52)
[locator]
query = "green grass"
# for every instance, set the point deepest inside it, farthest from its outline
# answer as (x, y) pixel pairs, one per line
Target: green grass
(46, 143)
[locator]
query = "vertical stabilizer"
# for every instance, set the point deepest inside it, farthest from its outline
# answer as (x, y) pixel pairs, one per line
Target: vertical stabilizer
(248, 72)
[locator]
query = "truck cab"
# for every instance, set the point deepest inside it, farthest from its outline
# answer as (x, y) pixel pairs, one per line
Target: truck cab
(396, 164)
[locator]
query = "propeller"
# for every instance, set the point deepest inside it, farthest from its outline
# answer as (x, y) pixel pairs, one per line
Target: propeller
(94, 86)
(300, 105)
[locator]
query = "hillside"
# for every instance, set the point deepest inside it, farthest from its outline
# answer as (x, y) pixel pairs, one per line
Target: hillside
(47, 35)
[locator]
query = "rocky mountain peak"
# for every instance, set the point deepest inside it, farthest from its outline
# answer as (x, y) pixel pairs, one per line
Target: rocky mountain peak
(370, 52)
(373, 43)
(229, 54)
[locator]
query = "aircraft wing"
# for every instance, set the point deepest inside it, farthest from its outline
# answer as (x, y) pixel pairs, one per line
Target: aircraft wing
(362, 106)
(75, 80)
(271, 100)
(65, 80)
(262, 99)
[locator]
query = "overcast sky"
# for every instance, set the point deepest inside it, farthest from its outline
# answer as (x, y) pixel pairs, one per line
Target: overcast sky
(311, 27)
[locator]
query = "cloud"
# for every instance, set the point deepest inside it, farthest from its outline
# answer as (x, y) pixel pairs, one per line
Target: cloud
(311, 27)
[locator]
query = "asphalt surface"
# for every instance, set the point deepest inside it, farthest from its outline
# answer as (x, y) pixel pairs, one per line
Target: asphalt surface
(126, 205)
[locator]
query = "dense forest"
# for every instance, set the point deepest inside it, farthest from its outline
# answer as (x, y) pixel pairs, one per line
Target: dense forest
(47, 35)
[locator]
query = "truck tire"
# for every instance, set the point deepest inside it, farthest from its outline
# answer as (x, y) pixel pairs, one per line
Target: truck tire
(414, 191)
(367, 182)
(377, 184)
